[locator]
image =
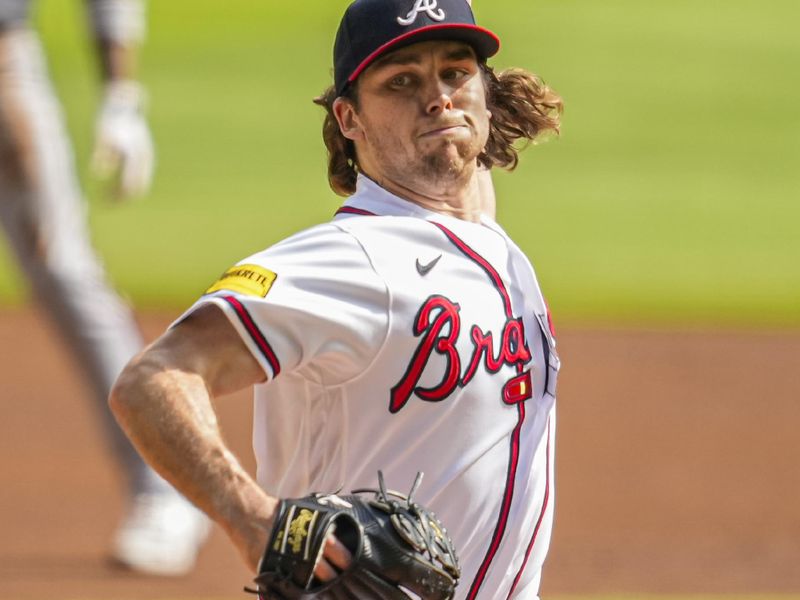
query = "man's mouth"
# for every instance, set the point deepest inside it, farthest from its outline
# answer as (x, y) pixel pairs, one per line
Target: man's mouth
(443, 130)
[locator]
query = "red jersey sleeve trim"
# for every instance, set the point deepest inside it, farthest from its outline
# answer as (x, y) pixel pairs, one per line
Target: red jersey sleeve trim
(255, 334)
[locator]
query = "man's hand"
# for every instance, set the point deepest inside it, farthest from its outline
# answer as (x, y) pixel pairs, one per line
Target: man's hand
(335, 559)
(371, 544)
(123, 144)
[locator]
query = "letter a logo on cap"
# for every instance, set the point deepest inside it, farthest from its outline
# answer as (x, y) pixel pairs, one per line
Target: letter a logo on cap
(428, 6)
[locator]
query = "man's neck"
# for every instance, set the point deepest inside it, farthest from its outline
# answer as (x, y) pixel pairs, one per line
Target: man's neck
(460, 200)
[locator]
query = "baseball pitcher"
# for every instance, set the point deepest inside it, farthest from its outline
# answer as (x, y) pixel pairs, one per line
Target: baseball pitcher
(408, 334)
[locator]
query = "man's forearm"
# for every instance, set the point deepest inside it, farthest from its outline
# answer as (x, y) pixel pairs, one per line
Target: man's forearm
(118, 27)
(117, 62)
(168, 415)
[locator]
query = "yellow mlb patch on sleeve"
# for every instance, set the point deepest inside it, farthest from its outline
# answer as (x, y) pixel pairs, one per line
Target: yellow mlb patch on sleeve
(250, 280)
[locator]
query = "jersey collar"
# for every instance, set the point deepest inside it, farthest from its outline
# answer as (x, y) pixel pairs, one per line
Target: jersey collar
(372, 199)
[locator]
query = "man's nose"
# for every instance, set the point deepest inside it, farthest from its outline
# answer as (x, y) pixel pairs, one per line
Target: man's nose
(440, 100)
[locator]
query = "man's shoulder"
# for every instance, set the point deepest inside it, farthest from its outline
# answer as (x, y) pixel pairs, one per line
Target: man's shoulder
(326, 230)
(321, 245)
(352, 231)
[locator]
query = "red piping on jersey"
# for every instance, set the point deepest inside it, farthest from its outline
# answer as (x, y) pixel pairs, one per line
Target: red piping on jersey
(255, 334)
(541, 516)
(482, 263)
(513, 461)
(550, 319)
(352, 210)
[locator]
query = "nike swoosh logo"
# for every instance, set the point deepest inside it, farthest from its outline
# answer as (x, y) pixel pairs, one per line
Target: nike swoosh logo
(425, 269)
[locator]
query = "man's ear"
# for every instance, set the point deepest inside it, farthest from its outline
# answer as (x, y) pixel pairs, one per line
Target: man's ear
(345, 113)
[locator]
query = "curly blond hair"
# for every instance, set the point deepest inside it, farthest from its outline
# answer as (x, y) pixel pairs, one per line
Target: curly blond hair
(523, 107)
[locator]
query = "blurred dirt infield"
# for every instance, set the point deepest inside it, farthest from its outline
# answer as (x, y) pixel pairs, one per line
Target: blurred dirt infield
(677, 469)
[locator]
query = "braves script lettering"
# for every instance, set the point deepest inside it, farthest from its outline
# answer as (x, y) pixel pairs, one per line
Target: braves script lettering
(438, 324)
(429, 6)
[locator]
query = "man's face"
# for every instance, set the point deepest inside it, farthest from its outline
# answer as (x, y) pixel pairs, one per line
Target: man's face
(421, 119)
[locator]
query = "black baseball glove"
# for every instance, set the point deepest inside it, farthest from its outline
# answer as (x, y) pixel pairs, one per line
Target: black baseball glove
(396, 544)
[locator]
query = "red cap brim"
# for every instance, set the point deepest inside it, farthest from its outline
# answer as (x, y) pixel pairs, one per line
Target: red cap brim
(485, 42)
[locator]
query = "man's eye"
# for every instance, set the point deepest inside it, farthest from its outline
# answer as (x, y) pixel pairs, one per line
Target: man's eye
(454, 74)
(400, 81)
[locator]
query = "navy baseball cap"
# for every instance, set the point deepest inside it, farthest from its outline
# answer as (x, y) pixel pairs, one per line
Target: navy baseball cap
(372, 28)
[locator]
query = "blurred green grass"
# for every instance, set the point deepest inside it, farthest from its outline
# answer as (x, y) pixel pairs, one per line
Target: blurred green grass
(669, 199)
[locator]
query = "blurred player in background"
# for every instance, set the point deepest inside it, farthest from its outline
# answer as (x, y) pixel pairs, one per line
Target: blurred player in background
(44, 217)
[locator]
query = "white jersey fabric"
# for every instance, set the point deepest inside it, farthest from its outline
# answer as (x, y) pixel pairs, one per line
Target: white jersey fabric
(399, 339)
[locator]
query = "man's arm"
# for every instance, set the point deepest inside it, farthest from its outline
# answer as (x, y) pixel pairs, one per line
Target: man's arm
(163, 402)
(118, 28)
(123, 144)
(486, 186)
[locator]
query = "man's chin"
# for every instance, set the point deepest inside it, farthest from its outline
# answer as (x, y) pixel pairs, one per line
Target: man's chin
(440, 169)
(448, 161)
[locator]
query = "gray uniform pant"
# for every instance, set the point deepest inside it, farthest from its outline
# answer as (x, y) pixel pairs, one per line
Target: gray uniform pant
(44, 216)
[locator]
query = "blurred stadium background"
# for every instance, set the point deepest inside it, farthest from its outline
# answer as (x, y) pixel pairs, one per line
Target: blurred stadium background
(669, 199)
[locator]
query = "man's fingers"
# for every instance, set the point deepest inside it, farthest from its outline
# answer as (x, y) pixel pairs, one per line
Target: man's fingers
(335, 558)
(136, 175)
(337, 553)
(324, 571)
(105, 161)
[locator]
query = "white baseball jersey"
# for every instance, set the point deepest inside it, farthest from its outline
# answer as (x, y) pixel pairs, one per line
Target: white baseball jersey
(399, 339)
